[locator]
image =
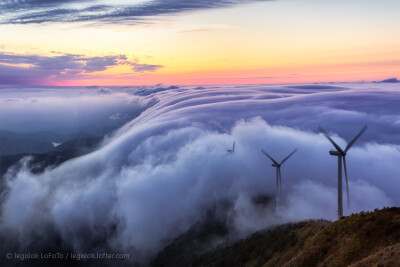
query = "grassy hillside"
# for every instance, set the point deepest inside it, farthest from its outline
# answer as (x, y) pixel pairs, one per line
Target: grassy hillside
(365, 239)
(352, 239)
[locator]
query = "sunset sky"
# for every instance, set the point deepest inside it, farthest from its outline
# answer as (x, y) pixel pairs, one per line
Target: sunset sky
(146, 42)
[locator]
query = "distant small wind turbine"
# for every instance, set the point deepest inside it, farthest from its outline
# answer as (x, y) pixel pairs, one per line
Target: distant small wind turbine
(230, 151)
(56, 144)
(340, 153)
(278, 177)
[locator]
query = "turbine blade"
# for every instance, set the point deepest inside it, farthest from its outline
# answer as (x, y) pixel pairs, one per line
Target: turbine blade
(355, 138)
(233, 148)
(321, 130)
(266, 154)
(347, 183)
(285, 159)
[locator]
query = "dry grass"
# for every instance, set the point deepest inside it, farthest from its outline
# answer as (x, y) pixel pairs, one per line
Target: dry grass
(351, 239)
(386, 257)
(365, 239)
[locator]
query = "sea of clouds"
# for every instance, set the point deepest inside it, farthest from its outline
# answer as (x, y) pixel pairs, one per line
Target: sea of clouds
(67, 109)
(162, 171)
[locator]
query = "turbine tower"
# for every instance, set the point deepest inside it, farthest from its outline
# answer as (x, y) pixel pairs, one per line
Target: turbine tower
(278, 177)
(341, 154)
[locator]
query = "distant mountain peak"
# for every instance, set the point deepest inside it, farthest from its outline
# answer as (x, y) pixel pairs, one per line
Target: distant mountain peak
(391, 80)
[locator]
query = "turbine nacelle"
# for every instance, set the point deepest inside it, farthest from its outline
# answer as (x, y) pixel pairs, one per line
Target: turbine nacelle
(337, 153)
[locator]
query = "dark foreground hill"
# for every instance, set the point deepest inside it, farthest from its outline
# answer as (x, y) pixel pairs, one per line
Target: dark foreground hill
(365, 239)
(40, 161)
(13, 143)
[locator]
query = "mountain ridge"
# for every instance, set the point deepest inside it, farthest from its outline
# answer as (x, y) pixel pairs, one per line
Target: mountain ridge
(358, 240)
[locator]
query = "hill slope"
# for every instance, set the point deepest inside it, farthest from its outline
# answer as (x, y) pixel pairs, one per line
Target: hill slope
(352, 239)
(364, 239)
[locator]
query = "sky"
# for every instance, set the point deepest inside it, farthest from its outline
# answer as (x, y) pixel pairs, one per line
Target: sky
(147, 42)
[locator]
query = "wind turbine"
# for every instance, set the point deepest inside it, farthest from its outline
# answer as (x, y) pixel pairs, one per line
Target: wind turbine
(278, 177)
(230, 151)
(341, 154)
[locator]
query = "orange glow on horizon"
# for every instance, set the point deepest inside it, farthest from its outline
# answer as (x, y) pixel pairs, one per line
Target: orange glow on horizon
(353, 72)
